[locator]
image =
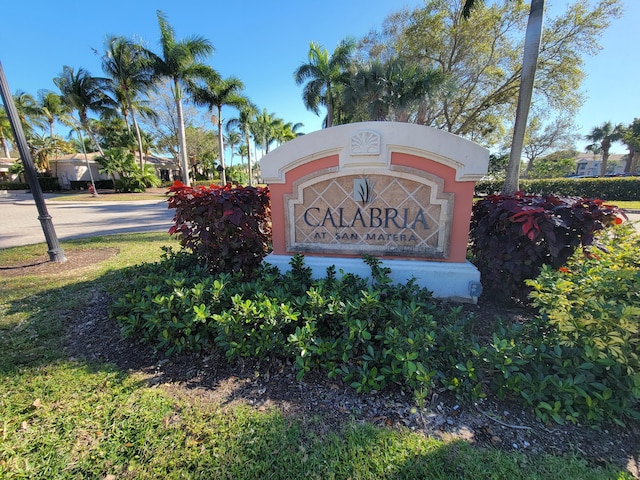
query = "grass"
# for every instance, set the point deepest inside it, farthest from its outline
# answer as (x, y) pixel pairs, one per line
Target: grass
(65, 419)
(627, 204)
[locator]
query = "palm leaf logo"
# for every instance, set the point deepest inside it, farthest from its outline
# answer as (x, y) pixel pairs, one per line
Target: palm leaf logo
(363, 190)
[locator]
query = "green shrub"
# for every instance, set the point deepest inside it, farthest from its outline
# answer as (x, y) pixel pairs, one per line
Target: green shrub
(49, 184)
(13, 186)
(369, 333)
(592, 308)
(577, 361)
(85, 184)
(609, 189)
(165, 303)
(512, 237)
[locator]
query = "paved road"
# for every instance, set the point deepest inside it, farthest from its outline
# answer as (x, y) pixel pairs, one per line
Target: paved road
(19, 224)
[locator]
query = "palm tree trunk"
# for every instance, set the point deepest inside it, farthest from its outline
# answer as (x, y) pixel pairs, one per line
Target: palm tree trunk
(529, 61)
(84, 121)
(249, 159)
(635, 159)
(223, 174)
(139, 140)
(182, 139)
(5, 147)
(136, 128)
(605, 162)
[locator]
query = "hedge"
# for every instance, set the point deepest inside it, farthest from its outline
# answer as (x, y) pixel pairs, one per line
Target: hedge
(13, 186)
(608, 188)
(84, 184)
(47, 184)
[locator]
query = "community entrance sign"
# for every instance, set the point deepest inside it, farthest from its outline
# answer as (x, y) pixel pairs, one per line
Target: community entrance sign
(398, 191)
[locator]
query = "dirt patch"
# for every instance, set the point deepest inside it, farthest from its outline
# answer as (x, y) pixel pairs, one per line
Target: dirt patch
(76, 259)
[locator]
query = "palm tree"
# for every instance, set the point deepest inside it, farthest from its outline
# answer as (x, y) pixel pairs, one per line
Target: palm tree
(264, 129)
(245, 124)
(52, 107)
(529, 60)
(381, 91)
(214, 94)
(5, 132)
(85, 93)
(601, 138)
(324, 75)
(233, 139)
(42, 147)
(29, 112)
(284, 132)
(131, 70)
(179, 63)
(243, 151)
(631, 138)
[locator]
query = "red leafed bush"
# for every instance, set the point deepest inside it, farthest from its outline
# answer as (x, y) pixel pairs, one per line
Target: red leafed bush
(228, 228)
(513, 236)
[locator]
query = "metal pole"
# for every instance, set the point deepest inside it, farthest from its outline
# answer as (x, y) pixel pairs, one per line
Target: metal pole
(56, 254)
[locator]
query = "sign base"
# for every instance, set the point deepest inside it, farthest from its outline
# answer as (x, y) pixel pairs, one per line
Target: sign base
(459, 282)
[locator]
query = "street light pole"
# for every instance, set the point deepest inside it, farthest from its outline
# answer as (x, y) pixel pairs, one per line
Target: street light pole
(56, 254)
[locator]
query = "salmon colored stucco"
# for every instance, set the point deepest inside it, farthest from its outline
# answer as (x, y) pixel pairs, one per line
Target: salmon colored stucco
(278, 192)
(463, 200)
(462, 207)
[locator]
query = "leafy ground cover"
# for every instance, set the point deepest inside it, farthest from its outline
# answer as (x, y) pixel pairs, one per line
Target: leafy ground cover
(79, 401)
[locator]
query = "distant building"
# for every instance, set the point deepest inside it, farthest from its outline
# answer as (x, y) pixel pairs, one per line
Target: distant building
(5, 164)
(588, 164)
(75, 167)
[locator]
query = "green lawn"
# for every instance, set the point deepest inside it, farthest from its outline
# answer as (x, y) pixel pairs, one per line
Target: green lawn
(631, 205)
(65, 418)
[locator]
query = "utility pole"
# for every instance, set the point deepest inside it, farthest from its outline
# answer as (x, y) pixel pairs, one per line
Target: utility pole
(56, 254)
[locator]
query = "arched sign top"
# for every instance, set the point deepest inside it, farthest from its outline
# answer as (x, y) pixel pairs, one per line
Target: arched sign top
(370, 144)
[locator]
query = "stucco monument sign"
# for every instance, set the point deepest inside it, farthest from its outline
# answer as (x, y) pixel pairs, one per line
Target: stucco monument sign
(398, 191)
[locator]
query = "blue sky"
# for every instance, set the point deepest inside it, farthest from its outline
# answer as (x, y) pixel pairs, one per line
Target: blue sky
(262, 43)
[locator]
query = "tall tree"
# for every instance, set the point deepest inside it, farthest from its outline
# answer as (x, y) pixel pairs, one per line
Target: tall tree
(203, 150)
(532, 41)
(29, 112)
(179, 62)
(5, 132)
(601, 138)
(324, 75)
(233, 139)
(130, 68)
(540, 140)
(245, 123)
(483, 58)
(84, 93)
(631, 138)
(391, 90)
(53, 108)
(265, 129)
(214, 94)
(163, 124)
(42, 147)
